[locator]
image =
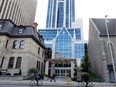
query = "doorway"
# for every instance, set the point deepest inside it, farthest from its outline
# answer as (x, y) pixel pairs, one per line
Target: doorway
(111, 76)
(62, 72)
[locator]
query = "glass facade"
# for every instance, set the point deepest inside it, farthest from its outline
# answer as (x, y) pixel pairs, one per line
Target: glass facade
(63, 41)
(60, 16)
(72, 10)
(78, 34)
(54, 13)
(63, 47)
(79, 50)
(49, 14)
(56, 16)
(67, 14)
(48, 34)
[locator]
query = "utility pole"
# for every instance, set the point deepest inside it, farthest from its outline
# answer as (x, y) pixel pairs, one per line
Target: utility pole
(109, 45)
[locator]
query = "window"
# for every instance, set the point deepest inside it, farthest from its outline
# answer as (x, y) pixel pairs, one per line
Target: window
(6, 44)
(20, 31)
(60, 14)
(18, 63)
(0, 26)
(38, 50)
(15, 44)
(43, 53)
(11, 62)
(38, 65)
(22, 44)
(2, 62)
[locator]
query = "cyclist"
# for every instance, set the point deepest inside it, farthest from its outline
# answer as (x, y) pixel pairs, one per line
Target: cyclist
(37, 77)
(86, 79)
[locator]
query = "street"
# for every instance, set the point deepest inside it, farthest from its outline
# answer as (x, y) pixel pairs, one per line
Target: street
(29, 86)
(51, 86)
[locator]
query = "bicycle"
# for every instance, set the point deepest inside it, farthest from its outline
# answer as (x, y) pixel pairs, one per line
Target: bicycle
(90, 84)
(83, 84)
(34, 83)
(80, 84)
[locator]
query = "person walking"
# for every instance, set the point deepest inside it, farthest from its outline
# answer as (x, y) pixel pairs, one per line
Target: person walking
(36, 76)
(53, 78)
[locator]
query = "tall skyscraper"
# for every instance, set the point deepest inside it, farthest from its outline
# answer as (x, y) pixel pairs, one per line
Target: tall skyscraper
(63, 37)
(21, 12)
(61, 13)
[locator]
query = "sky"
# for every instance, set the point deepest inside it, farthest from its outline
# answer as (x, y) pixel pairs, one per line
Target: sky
(84, 9)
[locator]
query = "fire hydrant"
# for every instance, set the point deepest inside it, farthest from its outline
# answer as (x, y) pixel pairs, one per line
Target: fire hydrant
(68, 82)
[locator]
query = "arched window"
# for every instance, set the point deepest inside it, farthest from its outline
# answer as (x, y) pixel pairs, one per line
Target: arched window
(15, 44)
(22, 44)
(11, 62)
(18, 62)
(38, 65)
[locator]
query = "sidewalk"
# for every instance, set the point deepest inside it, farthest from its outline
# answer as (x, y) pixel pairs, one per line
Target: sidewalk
(59, 82)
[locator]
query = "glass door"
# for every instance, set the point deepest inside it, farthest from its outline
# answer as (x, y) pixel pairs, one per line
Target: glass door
(62, 72)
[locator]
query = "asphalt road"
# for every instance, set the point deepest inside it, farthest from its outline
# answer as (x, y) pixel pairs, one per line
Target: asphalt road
(29, 86)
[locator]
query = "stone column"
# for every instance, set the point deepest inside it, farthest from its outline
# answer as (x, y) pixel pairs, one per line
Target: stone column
(52, 69)
(15, 60)
(47, 67)
(53, 49)
(72, 69)
(73, 49)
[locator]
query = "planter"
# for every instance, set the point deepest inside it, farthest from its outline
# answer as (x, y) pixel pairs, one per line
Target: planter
(45, 78)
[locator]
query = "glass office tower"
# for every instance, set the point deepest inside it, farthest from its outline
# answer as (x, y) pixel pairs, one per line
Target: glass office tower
(64, 40)
(61, 13)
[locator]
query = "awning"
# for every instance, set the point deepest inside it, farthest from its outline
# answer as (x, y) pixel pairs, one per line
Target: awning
(60, 61)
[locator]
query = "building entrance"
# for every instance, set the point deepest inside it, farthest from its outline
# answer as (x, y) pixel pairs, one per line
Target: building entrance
(62, 72)
(60, 67)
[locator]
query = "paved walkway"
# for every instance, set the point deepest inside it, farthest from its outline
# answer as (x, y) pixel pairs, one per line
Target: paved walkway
(59, 82)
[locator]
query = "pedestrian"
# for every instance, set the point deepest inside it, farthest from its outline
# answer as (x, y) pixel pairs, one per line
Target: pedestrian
(53, 78)
(37, 77)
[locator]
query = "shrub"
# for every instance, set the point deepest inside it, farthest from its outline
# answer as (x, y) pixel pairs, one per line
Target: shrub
(42, 76)
(16, 74)
(95, 78)
(46, 75)
(73, 79)
(8, 74)
(32, 70)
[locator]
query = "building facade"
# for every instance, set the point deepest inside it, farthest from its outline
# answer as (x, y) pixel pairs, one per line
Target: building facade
(15, 44)
(21, 12)
(98, 47)
(63, 36)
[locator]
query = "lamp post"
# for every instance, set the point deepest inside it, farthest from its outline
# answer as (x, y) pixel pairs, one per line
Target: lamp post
(106, 21)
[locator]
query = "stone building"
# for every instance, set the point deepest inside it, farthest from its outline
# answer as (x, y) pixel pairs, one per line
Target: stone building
(21, 48)
(99, 47)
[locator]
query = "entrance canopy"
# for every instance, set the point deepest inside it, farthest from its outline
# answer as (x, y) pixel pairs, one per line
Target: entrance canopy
(60, 61)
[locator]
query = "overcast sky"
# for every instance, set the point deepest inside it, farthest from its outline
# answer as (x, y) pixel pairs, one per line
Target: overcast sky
(84, 9)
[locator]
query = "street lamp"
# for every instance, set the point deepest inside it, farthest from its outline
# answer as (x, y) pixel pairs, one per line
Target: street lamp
(106, 21)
